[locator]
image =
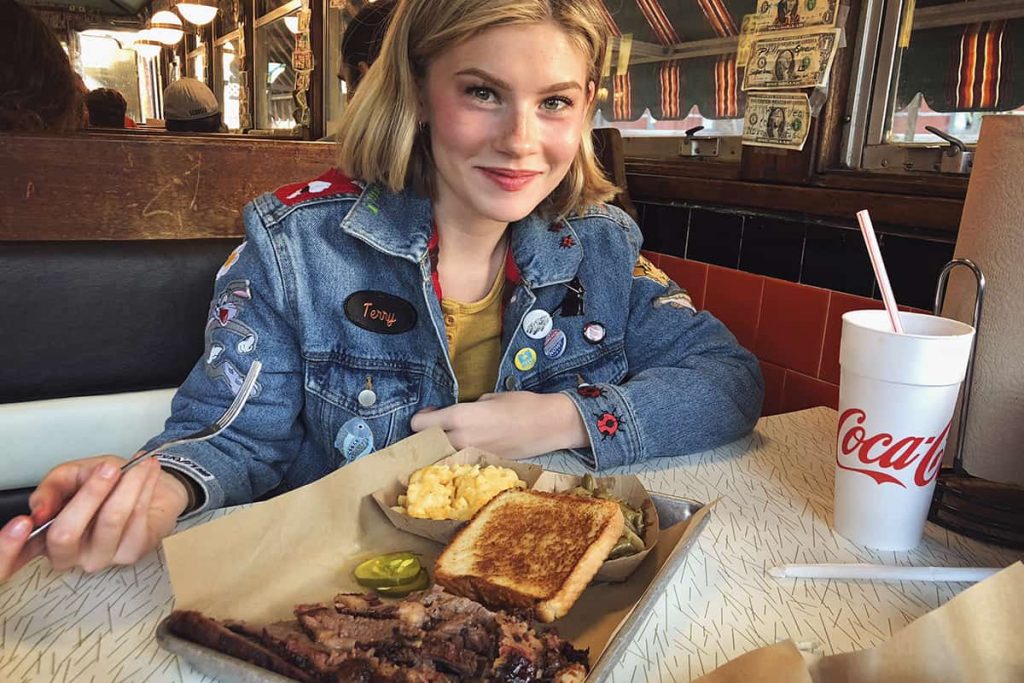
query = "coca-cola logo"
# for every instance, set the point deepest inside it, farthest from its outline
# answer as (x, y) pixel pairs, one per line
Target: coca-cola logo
(883, 451)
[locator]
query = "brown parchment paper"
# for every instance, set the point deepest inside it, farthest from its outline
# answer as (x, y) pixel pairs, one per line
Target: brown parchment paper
(627, 488)
(257, 563)
(978, 636)
(442, 530)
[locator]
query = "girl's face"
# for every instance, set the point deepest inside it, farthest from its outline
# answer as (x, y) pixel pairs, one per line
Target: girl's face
(506, 111)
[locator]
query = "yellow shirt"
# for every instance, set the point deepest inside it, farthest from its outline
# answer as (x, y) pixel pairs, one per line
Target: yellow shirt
(474, 340)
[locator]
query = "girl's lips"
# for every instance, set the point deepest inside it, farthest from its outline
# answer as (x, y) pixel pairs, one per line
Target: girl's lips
(507, 179)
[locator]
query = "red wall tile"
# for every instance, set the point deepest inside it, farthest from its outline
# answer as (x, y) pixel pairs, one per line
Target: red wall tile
(690, 275)
(800, 391)
(839, 303)
(734, 297)
(774, 380)
(792, 326)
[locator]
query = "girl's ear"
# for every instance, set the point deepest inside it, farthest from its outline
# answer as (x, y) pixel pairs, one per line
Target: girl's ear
(591, 92)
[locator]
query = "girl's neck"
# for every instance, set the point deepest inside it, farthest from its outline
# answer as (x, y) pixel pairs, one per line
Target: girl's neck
(470, 254)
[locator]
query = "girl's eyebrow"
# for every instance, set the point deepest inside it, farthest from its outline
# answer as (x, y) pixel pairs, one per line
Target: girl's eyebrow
(498, 83)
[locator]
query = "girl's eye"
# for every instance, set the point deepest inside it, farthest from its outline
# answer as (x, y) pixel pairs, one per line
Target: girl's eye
(481, 93)
(556, 103)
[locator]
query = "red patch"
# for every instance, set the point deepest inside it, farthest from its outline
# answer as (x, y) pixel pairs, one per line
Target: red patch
(330, 184)
(556, 227)
(608, 424)
(589, 391)
(567, 242)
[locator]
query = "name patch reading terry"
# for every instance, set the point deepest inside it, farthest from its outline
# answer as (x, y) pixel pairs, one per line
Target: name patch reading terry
(380, 312)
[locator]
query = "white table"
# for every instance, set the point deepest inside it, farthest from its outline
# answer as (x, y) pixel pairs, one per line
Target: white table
(776, 491)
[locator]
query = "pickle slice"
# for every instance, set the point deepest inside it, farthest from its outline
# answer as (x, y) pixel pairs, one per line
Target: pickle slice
(421, 582)
(388, 571)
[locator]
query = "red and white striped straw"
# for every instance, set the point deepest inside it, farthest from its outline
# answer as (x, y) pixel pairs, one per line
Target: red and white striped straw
(868, 230)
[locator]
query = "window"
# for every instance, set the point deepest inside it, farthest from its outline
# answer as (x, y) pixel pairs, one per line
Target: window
(335, 89)
(197, 63)
(227, 85)
(953, 64)
(103, 60)
(274, 78)
(672, 68)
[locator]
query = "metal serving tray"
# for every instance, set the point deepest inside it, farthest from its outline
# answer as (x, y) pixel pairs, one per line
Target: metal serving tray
(671, 511)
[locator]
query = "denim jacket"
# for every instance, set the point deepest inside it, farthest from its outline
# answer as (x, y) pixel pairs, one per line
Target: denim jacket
(332, 291)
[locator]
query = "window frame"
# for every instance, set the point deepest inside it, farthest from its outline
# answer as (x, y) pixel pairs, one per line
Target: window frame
(876, 76)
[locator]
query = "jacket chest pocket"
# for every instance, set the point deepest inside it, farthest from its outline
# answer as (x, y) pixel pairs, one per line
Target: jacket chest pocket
(607, 366)
(360, 405)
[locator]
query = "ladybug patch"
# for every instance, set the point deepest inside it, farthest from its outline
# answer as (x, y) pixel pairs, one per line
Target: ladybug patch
(608, 424)
(567, 242)
(590, 391)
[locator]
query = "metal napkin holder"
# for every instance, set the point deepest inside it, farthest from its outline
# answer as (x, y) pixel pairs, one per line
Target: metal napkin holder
(972, 506)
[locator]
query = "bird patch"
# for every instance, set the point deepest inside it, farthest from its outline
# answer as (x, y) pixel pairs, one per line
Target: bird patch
(354, 440)
(330, 184)
(644, 268)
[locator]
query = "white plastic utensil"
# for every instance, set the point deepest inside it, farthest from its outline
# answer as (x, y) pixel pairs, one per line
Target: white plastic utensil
(881, 276)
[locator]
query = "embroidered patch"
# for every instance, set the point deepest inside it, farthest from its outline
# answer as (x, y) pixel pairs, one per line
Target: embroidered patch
(226, 308)
(224, 312)
(231, 260)
(590, 391)
(330, 184)
(567, 242)
(644, 268)
(380, 312)
(676, 297)
(608, 424)
(556, 227)
(354, 439)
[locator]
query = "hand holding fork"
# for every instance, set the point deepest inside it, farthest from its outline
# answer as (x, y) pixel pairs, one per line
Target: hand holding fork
(106, 510)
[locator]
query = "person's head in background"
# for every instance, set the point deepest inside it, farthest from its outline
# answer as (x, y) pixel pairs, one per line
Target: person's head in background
(191, 107)
(107, 108)
(361, 42)
(455, 91)
(39, 90)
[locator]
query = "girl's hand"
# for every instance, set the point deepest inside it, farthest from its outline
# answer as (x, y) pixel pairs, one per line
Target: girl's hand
(513, 425)
(103, 517)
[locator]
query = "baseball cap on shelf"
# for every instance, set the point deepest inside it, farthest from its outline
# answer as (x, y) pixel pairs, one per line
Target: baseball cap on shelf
(187, 99)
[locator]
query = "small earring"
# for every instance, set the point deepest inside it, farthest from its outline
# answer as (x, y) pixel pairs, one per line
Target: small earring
(423, 126)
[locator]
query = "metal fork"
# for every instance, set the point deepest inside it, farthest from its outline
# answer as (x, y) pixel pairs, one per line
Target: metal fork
(207, 432)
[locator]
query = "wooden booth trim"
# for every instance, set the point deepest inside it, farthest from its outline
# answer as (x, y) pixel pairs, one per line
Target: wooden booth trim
(169, 187)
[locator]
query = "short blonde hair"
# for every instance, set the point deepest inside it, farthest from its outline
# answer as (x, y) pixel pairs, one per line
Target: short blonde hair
(380, 139)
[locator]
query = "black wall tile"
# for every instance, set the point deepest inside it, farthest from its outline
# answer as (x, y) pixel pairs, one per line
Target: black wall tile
(835, 258)
(772, 247)
(914, 266)
(664, 227)
(715, 237)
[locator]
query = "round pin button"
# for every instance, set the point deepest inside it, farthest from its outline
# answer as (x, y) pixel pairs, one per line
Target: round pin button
(510, 383)
(593, 332)
(367, 397)
(537, 324)
(526, 358)
(554, 344)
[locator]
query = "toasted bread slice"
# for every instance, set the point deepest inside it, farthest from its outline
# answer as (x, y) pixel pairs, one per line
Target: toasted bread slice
(530, 550)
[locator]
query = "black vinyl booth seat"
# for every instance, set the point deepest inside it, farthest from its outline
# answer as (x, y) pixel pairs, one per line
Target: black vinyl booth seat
(100, 317)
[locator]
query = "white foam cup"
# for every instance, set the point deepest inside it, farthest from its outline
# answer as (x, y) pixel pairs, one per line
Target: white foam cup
(897, 393)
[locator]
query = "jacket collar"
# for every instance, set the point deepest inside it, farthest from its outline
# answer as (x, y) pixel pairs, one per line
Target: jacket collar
(400, 224)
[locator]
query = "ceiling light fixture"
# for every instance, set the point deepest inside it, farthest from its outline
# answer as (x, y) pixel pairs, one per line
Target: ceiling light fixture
(198, 12)
(166, 27)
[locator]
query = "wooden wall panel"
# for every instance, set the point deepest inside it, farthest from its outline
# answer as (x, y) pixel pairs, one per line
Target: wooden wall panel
(123, 186)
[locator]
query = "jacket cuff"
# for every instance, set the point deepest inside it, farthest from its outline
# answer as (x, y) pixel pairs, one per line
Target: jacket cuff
(205, 493)
(610, 424)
